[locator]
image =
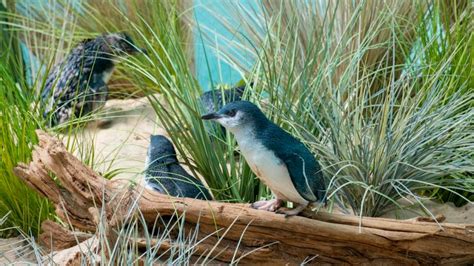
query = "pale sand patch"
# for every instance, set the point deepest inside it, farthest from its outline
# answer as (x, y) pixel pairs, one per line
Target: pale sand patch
(453, 214)
(123, 143)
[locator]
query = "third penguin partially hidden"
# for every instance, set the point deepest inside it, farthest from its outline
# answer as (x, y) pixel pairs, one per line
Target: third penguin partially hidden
(164, 173)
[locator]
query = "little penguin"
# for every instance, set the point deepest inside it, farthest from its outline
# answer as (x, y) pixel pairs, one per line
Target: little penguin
(78, 84)
(164, 174)
(279, 160)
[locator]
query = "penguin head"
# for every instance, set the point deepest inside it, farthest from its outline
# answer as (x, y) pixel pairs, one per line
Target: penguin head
(118, 44)
(236, 115)
(160, 151)
(122, 44)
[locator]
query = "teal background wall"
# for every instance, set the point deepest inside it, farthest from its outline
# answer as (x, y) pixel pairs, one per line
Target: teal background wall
(211, 69)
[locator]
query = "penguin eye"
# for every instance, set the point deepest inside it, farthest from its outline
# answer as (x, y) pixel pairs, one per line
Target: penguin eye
(231, 112)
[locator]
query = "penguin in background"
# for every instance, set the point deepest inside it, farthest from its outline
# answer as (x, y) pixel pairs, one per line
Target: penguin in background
(163, 172)
(77, 85)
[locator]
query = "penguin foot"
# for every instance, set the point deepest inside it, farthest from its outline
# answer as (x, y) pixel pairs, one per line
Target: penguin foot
(267, 205)
(291, 212)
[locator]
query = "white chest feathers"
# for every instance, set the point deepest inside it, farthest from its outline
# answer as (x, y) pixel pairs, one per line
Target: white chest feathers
(269, 169)
(107, 74)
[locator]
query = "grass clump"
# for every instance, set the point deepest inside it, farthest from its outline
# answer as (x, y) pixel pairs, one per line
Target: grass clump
(386, 122)
(179, 110)
(17, 136)
(380, 92)
(48, 37)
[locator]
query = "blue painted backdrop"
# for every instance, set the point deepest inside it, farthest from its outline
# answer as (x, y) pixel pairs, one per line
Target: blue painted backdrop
(211, 69)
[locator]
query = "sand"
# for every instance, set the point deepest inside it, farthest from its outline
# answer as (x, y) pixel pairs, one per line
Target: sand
(123, 142)
(453, 214)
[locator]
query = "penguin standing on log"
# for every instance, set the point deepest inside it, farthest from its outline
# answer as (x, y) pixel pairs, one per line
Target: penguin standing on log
(278, 159)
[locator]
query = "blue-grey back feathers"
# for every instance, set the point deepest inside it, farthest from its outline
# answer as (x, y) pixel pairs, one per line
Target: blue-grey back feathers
(164, 173)
(214, 100)
(304, 170)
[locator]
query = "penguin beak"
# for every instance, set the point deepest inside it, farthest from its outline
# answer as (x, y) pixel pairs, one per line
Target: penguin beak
(211, 116)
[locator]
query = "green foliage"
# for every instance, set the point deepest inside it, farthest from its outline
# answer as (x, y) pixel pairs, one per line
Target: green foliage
(49, 37)
(17, 135)
(52, 34)
(10, 47)
(339, 77)
(446, 38)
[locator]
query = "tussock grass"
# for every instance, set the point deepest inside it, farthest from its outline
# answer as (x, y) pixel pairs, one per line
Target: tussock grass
(53, 34)
(36, 35)
(17, 125)
(49, 36)
(356, 82)
(179, 111)
(381, 92)
(135, 242)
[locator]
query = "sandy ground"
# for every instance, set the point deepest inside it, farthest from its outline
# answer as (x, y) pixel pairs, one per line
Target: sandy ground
(453, 214)
(123, 145)
(123, 142)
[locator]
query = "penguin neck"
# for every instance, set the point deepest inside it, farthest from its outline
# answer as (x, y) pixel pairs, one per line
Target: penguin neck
(243, 132)
(246, 136)
(104, 66)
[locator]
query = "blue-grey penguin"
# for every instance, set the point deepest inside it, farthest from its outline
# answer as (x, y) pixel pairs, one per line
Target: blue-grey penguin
(164, 174)
(280, 161)
(78, 84)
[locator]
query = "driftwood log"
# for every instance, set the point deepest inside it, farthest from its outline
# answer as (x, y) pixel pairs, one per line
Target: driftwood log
(80, 194)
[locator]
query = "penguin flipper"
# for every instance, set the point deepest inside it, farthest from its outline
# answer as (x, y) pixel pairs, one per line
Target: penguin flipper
(190, 186)
(306, 176)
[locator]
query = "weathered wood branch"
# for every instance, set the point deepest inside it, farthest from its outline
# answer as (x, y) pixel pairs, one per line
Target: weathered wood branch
(81, 195)
(56, 237)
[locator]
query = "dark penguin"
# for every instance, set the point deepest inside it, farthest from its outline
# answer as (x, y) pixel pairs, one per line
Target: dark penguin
(78, 85)
(164, 174)
(281, 161)
(214, 100)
